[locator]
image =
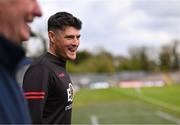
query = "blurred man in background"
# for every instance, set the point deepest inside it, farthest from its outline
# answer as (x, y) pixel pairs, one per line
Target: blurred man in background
(14, 18)
(47, 85)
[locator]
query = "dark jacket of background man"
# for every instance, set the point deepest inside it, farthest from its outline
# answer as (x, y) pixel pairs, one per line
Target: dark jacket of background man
(10, 55)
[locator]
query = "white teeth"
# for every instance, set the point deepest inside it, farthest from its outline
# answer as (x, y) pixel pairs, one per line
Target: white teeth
(72, 49)
(28, 27)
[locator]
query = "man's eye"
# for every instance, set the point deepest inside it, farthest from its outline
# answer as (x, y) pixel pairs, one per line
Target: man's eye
(69, 37)
(78, 37)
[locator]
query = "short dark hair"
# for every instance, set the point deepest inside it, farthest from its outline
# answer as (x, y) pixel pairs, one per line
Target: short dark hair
(62, 19)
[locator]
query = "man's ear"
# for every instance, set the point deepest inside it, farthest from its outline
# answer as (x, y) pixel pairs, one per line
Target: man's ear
(51, 36)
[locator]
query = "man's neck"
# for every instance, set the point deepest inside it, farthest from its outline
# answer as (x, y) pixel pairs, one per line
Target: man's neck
(51, 52)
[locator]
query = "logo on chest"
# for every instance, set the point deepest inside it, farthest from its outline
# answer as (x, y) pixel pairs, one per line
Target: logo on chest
(61, 75)
(70, 93)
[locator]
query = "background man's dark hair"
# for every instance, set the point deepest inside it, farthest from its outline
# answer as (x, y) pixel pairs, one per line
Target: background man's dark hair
(62, 19)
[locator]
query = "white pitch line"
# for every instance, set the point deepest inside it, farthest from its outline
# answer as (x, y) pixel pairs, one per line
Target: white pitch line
(160, 103)
(168, 117)
(138, 90)
(157, 102)
(94, 120)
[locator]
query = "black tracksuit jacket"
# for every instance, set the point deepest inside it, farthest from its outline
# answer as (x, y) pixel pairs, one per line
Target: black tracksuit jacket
(48, 89)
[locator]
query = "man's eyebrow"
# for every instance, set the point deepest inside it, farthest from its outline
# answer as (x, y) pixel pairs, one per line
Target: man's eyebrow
(72, 36)
(69, 36)
(78, 36)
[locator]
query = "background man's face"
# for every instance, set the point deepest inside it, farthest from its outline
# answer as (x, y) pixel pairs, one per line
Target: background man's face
(28, 9)
(17, 14)
(67, 42)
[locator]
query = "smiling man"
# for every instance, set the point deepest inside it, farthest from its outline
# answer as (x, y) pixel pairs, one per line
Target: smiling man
(14, 18)
(47, 85)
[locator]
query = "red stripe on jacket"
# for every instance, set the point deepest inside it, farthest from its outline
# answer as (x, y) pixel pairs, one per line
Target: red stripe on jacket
(34, 97)
(34, 93)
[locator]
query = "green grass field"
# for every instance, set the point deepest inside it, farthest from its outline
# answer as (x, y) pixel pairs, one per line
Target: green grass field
(127, 106)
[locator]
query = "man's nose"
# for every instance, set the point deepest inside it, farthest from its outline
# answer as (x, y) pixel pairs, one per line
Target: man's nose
(76, 41)
(37, 10)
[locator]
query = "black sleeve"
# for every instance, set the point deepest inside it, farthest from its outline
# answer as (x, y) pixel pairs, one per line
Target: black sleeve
(35, 85)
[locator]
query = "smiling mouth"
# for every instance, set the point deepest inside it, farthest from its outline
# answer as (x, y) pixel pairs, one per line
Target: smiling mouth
(72, 49)
(28, 27)
(27, 21)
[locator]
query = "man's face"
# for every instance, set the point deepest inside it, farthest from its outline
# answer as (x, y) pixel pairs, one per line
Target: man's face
(17, 15)
(66, 43)
(30, 11)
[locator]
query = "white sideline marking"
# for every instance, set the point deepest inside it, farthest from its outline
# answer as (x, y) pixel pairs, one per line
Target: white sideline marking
(138, 90)
(157, 102)
(160, 103)
(168, 117)
(94, 120)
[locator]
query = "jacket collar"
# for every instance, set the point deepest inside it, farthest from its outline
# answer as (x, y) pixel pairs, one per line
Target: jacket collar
(57, 60)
